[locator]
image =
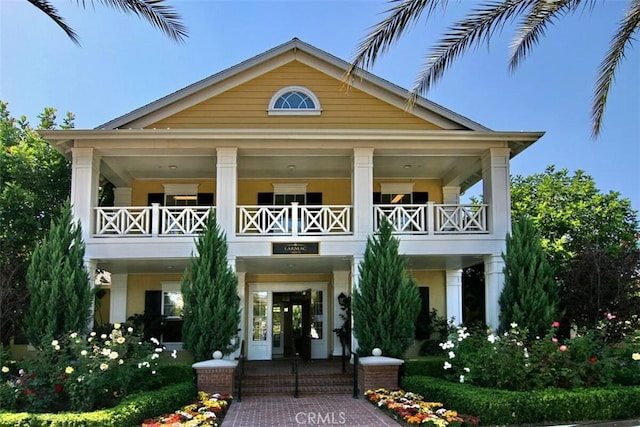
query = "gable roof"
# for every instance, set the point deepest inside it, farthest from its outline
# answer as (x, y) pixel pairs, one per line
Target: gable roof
(366, 82)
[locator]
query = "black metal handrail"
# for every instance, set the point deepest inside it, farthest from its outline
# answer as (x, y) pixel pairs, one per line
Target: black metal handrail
(240, 372)
(295, 374)
(356, 361)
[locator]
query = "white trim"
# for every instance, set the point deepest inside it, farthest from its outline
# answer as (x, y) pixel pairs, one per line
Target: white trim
(290, 188)
(180, 189)
(273, 111)
(171, 286)
(319, 347)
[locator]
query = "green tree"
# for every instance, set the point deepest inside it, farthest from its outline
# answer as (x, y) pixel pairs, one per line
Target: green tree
(60, 295)
(602, 290)
(211, 302)
(34, 182)
(590, 239)
(386, 303)
(571, 214)
(530, 294)
(155, 12)
(482, 23)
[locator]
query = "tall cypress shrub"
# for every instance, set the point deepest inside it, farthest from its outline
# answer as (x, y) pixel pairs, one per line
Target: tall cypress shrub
(386, 303)
(530, 295)
(60, 295)
(209, 292)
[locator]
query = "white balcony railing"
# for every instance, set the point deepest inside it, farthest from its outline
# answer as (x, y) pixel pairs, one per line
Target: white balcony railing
(153, 220)
(433, 218)
(464, 219)
(405, 219)
(294, 220)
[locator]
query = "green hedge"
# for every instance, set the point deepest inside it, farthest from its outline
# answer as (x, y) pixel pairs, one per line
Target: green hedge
(430, 366)
(130, 412)
(495, 407)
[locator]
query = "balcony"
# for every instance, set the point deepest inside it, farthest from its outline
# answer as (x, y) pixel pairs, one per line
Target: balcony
(293, 220)
(151, 221)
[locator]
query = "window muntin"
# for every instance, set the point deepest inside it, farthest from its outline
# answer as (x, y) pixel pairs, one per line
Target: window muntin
(294, 100)
(172, 304)
(287, 199)
(317, 315)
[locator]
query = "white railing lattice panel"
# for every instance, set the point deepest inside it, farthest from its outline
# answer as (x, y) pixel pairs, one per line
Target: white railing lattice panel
(123, 221)
(325, 220)
(461, 219)
(264, 220)
(403, 218)
(180, 220)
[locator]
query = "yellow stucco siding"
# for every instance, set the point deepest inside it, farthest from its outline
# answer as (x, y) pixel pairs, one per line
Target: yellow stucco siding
(137, 284)
(245, 106)
(436, 281)
(432, 186)
(141, 188)
(334, 191)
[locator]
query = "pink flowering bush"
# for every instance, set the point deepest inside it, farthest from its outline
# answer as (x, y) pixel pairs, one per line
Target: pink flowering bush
(509, 361)
(77, 373)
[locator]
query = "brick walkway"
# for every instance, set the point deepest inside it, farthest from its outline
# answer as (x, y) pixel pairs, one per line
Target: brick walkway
(287, 411)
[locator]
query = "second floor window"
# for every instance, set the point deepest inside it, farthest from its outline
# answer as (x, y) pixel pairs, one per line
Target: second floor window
(294, 100)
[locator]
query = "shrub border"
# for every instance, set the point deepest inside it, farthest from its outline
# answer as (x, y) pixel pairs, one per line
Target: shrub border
(131, 411)
(499, 407)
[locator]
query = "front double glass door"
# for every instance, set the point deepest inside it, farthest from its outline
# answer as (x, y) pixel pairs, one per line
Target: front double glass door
(285, 322)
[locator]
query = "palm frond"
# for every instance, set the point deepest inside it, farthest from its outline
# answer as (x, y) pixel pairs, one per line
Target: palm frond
(622, 39)
(401, 17)
(477, 27)
(161, 16)
(532, 28)
(49, 10)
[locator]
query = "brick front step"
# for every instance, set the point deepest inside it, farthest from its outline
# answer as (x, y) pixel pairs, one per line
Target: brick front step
(275, 378)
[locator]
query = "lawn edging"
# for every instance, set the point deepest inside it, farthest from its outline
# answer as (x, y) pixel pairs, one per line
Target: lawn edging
(131, 411)
(498, 407)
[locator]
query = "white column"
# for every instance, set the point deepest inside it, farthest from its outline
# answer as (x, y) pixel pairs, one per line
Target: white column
(496, 190)
(227, 189)
(118, 304)
(362, 192)
(122, 197)
(451, 195)
(85, 172)
(340, 285)
(355, 284)
(493, 284)
(454, 296)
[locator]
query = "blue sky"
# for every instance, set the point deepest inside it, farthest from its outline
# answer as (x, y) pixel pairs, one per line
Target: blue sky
(124, 63)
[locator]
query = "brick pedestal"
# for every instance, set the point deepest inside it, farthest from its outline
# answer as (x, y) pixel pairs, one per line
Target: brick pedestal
(378, 371)
(215, 376)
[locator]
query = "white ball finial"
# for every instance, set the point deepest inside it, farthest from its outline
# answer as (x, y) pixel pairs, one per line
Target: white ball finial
(376, 352)
(217, 354)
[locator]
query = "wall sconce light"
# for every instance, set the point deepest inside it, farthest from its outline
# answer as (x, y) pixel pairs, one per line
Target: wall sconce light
(342, 298)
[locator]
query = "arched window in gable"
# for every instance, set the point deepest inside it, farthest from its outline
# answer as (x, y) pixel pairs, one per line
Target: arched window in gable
(294, 100)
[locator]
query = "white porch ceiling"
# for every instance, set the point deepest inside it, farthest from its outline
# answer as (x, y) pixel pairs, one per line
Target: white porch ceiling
(119, 169)
(283, 265)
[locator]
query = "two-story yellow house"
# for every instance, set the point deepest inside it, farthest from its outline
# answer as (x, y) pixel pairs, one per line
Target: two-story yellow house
(300, 169)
